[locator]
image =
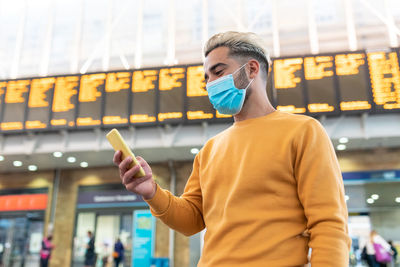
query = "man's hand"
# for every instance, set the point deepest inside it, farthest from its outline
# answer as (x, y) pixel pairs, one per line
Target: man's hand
(144, 186)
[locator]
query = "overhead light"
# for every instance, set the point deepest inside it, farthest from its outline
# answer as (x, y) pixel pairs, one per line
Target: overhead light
(17, 163)
(57, 154)
(346, 197)
(370, 201)
(194, 151)
(84, 164)
(32, 168)
(341, 147)
(398, 199)
(375, 196)
(1, 158)
(343, 140)
(71, 159)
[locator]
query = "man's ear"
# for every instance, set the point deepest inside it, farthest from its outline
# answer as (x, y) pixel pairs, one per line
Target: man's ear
(254, 68)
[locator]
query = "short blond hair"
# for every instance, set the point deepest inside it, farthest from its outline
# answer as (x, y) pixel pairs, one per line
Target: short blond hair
(243, 45)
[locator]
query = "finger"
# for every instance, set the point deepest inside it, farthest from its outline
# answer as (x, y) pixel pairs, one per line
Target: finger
(145, 166)
(124, 166)
(130, 174)
(117, 157)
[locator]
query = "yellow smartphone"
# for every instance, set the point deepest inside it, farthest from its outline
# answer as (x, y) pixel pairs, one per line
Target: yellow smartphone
(118, 143)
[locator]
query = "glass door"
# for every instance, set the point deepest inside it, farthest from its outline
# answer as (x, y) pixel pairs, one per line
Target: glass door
(20, 240)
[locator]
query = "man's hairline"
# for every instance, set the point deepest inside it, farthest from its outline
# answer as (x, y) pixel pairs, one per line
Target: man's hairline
(234, 56)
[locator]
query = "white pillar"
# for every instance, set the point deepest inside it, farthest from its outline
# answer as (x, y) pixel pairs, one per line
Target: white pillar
(76, 50)
(275, 29)
(19, 42)
(393, 38)
(312, 28)
(204, 24)
(139, 34)
(170, 60)
(44, 64)
(107, 39)
(350, 25)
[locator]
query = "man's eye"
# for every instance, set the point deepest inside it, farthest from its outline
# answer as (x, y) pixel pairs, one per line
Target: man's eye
(218, 73)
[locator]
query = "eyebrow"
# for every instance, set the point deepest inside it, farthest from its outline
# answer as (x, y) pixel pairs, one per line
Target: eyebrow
(214, 67)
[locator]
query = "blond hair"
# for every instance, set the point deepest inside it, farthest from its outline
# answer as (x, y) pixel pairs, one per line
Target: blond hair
(242, 45)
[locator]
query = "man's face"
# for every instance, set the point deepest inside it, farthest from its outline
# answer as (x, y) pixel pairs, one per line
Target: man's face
(218, 64)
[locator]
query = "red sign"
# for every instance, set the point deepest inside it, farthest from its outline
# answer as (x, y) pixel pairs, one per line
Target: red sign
(23, 202)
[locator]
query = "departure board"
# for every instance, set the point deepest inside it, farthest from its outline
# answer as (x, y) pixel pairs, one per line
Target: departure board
(352, 75)
(117, 89)
(171, 86)
(288, 76)
(3, 86)
(90, 93)
(320, 84)
(39, 103)
(326, 84)
(64, 102)
(198, 104)
(144, 110)
(385, 80)
(15, 102)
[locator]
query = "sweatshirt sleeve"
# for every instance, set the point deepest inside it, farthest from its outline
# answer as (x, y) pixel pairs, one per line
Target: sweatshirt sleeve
(183, 214)
(321, 192)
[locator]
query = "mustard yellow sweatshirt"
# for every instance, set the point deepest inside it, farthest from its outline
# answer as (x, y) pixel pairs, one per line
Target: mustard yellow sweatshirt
(256, 187)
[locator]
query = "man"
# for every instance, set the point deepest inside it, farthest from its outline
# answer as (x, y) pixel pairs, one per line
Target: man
(267, 188)
(90, 256)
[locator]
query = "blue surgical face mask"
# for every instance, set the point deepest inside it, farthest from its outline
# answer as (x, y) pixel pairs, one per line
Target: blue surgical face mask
(224, 95)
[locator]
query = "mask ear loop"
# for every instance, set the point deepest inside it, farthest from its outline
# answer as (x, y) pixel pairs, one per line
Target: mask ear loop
(239, 68)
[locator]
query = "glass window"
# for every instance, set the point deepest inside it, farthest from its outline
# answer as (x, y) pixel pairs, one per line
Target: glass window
(85, 222)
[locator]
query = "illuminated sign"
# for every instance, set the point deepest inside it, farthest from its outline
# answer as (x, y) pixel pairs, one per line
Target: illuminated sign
(171, 85)
(64, 101)
(198, 104)
(116, 98)
(39, 102)
(144, 83)
(14, 105)
(90, 92)
(320, 87)
(288, 74)
(385, 79)
(352, 71)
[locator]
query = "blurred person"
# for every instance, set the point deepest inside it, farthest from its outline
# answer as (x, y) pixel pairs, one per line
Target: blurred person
(375, 247)
(118, 253)
(105, 254)
(394, 255)
(266, 189)
(90, 256)
(45, 251)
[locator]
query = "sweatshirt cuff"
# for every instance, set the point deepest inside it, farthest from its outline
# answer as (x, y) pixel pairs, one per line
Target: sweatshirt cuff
(159, 204)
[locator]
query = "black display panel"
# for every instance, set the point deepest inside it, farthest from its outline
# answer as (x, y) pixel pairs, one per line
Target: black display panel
(144, 109)
(352, 76)
(198, 104)
(39, 103)
(65, 99)
(3, 86)
(288, 77)
(90, 96)
(116, 95)
(15, 102)
(320, 84)
(385, 80)
(171, 86)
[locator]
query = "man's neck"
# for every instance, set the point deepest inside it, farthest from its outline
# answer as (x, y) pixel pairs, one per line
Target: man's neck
(256, 106)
